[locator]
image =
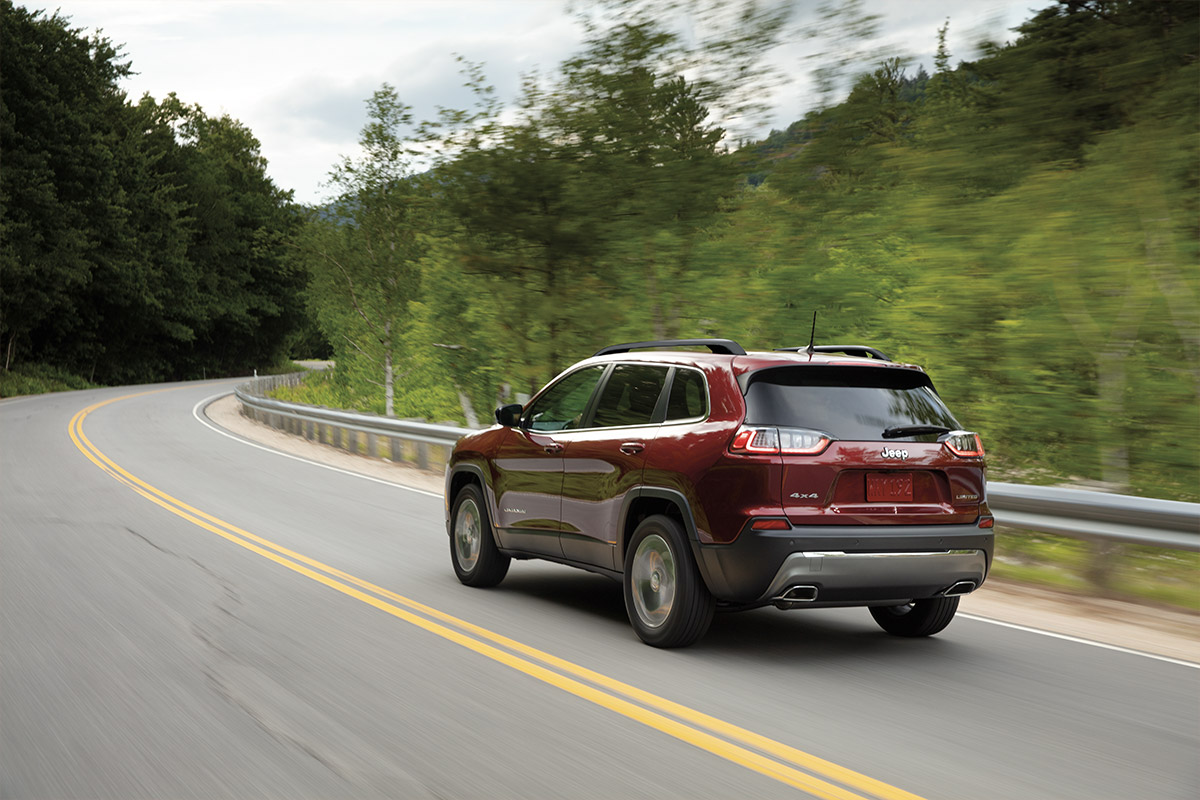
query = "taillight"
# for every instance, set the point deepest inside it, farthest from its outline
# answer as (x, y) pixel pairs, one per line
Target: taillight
(789, 441)
(964, 443)
(755, 440)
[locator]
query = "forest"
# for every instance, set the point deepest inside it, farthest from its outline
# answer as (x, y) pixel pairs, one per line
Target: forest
(139, 241)
(1023, 224)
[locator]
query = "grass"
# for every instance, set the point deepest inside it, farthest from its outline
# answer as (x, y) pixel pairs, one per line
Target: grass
(39, 379)
(283, 367)
(318, 388)
(1132, 572)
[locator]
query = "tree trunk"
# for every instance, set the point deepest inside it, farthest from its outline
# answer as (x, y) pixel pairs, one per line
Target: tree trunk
(1110, 390)
(389, 388)
(552, 323)
(1114, 459)
(1110, 386)
(656, 306)
(468, 409)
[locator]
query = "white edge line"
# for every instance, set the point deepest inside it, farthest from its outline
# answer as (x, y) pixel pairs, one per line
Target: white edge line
(1079, 640)
(200, 418)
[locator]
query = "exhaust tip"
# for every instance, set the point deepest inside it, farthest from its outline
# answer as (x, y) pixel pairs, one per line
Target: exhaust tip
(794, 596)
(959, 589)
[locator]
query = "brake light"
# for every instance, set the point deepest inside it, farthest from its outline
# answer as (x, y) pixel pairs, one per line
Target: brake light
(756, 440)
(987, 522)
(789, 441)
(964, 444)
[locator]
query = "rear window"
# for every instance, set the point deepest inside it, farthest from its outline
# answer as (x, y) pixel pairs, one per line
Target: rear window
(848, 403)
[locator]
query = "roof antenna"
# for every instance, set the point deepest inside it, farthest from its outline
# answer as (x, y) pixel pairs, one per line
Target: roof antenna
(813, 336)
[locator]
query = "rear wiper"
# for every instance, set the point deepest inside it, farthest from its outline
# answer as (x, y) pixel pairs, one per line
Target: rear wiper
(913, 430)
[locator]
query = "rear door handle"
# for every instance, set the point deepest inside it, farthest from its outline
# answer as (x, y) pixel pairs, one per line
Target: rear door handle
(553, 448)
(632, 448)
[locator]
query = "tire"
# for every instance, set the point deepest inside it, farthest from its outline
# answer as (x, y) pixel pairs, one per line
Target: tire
(665, 597)
(919, 618)
(473, 552)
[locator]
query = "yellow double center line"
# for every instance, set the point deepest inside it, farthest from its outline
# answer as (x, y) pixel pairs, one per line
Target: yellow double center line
(788, 765)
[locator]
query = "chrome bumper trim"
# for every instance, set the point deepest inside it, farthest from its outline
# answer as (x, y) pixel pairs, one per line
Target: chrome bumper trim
(836, 569)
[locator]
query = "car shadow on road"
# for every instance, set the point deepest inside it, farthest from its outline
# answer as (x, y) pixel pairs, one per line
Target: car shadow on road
(575, 590)
(765, 634)
(808, 636)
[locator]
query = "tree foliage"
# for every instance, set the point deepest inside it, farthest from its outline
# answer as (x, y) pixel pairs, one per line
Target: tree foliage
(137, 241)
(1024, 225)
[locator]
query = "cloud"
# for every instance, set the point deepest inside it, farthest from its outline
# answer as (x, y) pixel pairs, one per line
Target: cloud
(297, 73)
(321, 113)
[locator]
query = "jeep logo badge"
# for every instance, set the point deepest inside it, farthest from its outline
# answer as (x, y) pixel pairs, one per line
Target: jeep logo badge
(900, 454)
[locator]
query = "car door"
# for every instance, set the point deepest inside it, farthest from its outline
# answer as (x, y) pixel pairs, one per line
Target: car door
(528, 475)
(603, 462)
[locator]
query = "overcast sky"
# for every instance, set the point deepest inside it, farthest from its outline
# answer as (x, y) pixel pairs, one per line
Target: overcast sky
(297, 73)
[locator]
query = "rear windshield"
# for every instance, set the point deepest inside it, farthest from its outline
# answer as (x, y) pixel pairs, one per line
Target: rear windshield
(848, 403)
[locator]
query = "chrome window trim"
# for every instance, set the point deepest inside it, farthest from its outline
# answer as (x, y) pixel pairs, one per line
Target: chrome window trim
(603, 380)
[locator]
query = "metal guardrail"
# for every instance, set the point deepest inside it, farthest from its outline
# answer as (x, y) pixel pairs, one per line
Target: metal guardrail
(1076, 513)
(1085, 514)
(427, 445)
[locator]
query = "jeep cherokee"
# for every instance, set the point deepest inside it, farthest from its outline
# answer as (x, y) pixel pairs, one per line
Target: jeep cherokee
(800, 478)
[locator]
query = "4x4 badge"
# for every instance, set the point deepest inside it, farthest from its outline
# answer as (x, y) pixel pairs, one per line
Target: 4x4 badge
(901, 454)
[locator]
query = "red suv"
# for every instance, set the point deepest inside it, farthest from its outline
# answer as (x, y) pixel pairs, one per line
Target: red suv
(802, 478)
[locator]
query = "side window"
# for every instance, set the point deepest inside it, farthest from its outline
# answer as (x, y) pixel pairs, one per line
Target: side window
(630, 395)
(561, 407)
(688, 398)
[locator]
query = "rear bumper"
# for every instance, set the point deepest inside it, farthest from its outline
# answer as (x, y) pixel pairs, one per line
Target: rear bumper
(847, 565)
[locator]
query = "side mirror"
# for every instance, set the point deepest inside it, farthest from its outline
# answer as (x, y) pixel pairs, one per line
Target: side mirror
(509, 416)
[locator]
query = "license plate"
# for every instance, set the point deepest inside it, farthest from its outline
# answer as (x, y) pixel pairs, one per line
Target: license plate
(884, 487)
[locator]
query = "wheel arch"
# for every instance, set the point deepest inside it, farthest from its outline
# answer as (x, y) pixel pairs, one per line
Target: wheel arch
(461, 475)
(647, 501)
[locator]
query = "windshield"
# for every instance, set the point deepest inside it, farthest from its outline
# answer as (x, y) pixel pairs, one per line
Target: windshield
(848, 403)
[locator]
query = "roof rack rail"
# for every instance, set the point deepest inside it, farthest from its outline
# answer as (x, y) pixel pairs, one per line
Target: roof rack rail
(858, 350)
(722, 346)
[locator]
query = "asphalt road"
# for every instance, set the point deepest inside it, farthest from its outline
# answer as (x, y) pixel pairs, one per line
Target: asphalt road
(183, 615)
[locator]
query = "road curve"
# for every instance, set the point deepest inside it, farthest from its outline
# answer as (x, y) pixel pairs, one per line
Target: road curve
(185, 616)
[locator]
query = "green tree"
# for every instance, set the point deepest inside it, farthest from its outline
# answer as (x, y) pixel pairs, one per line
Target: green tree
(137, 242)
(363, 253)
(56, 126)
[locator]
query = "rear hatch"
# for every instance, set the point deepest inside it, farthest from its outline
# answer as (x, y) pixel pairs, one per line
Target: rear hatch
(865, 445)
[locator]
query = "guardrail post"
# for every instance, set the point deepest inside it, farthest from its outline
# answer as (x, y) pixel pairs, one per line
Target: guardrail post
(372, 446)
(1099, 569)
